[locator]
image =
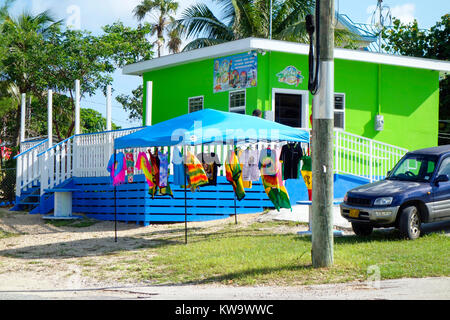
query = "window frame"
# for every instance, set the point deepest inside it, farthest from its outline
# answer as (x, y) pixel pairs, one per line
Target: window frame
(244, 107)
(196, 97)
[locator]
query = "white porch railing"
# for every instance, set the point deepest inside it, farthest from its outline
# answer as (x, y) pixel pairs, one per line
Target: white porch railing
(364, 157)
(82, 155)
(28, 166)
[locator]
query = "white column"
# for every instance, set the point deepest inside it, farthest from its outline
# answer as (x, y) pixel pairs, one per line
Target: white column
(77, 107)
(148, 103)
(75, 154)
(50, 118)
(108, 108)
(23, 108)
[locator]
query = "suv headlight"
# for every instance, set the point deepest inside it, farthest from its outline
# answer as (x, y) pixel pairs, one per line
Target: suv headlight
(385, 201)
(345, 198)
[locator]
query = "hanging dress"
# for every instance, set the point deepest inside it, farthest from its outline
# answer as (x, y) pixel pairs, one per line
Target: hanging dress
(143, 164)
(179, 172)
(234, 174)
(117, 169)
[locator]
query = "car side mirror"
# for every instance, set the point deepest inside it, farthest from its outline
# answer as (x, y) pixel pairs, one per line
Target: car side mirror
(441, 178)
(388, 173)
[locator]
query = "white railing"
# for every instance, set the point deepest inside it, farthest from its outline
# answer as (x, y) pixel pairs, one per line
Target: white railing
(27, 145)
(82, 155)
(364, 157)
(28, 166)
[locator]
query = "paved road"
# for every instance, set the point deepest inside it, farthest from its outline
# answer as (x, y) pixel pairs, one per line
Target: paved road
(399, 289)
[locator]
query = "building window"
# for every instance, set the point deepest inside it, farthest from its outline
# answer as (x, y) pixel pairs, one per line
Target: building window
(195, 104)
(237, 101)
(339, 111)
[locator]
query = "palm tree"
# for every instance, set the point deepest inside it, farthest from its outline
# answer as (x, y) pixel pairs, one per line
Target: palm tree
(165, 8)
(248, 18)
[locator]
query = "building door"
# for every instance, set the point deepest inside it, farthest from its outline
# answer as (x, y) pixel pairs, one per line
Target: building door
(290, 108)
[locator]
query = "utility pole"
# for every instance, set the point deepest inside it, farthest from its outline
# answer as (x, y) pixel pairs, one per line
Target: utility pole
(322, 142)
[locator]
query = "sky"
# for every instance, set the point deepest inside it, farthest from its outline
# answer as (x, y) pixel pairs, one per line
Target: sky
(93, 14)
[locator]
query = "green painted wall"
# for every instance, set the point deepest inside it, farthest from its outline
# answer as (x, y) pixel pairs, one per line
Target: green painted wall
(409, 97)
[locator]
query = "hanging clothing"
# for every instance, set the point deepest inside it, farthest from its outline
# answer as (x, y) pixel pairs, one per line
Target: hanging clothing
(154, 162)
(210, 162)
(249, 160)
(291, 155)
(306, 172)
(234, 174)
(130, 166)
(163, 169)
(195, 172)
(179, 172)
(271, 176)
(117, 169)
(143, 164)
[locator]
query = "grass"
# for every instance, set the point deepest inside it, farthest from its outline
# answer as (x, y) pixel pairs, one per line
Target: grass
(83, 223)
(256, 254)
(5, 234)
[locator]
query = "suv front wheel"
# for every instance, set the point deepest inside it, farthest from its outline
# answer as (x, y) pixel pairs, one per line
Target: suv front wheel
(362, 229)
(410, 223)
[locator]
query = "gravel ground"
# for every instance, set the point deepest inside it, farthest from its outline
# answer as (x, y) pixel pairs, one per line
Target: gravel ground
(41, 263)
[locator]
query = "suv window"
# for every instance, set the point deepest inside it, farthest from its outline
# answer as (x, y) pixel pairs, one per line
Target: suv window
(445, 167)
(414, 168)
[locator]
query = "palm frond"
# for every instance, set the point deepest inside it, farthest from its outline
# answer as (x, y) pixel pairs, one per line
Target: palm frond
(199, 21)
(202, 43)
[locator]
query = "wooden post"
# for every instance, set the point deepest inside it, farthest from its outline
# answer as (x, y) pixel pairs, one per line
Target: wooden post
(322, 142)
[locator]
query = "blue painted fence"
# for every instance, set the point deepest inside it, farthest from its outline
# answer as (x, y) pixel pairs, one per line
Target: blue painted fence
(135, 204)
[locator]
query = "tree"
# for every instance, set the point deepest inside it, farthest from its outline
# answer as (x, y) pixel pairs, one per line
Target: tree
(250, 18)
(22, 39)
(409, 40)
(39, 54)
(93, 121)
(133, 103)
(165, 8)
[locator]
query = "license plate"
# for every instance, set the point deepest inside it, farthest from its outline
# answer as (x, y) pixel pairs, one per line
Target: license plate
(354, 213)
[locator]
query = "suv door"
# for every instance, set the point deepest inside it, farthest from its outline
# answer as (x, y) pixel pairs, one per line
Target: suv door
(441, 193)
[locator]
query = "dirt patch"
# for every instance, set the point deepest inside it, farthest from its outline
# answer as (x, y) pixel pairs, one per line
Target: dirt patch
(35, 253)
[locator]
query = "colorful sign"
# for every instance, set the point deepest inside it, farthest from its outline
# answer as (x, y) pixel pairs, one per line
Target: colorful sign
(235, 72)
(291, 76)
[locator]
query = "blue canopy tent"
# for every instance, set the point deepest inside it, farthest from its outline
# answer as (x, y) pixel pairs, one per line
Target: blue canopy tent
(210, 126)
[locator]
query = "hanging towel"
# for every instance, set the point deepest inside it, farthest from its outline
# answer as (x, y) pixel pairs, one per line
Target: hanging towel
(271, 176)
(130, 166)
(194, 169)
(234, 174)
(117, 169)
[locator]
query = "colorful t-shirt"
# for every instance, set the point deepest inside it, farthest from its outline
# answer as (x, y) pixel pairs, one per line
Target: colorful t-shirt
(163, 169)
(210, 162)
(179, 173)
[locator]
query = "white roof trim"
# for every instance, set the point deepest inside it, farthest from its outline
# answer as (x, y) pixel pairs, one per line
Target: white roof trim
(248, 44)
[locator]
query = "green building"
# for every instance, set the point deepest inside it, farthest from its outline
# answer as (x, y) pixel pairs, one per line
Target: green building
(389, 98)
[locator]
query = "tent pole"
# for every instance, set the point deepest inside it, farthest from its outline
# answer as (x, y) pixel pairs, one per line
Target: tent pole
(235, 209)
(185, 197)
(115, 202)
